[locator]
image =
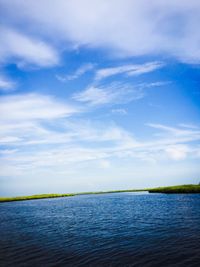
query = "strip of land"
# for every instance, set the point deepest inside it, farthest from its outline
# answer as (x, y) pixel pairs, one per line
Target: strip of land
(8, 199)
(180, 189)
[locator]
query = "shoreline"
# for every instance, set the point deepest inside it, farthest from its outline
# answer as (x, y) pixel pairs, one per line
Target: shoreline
(42, 196)
(180, 189)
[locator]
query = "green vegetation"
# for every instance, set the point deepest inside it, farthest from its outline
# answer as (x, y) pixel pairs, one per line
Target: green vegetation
(179, 189)
(7, 199)
(112, 191)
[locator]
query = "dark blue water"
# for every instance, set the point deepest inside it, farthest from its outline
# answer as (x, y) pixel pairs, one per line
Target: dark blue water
(124, 229)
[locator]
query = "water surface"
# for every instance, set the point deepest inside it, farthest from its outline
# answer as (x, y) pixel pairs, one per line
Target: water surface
(122, 229)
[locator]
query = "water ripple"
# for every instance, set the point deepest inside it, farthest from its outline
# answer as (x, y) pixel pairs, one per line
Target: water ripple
(102, 230)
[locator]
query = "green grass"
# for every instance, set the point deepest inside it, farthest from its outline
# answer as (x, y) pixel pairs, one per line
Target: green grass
(110, 192)
(179, 189)
(7, 199)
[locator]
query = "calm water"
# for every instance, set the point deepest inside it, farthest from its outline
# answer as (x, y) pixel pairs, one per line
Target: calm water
(124, 229)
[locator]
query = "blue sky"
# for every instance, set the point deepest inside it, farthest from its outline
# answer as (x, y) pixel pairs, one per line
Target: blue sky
(98, 95)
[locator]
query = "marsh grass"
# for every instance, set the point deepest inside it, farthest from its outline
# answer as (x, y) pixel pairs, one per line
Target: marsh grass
(7, 199)
(112, 191)
(179, 189)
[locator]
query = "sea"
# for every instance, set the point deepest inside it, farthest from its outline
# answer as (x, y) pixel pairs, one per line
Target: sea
(118, 229)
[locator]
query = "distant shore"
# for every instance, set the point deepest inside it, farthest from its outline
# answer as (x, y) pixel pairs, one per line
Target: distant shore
(9, 199)
(41, 196)
(179, 189)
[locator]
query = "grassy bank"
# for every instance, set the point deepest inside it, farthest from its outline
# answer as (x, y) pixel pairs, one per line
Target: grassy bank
(179, 189)
(112, 191)
(8, 199)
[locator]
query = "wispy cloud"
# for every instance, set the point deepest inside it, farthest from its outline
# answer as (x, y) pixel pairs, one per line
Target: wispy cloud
(33, 106)
(7, 84)
(124, 27)
(119, 111)
(25, 118)
(176, 131)
(79, 72)
(23, 49)
(130, 70)
(176, 142)
(177, 152)
(89, 142)
(115, 93)
(190, 126)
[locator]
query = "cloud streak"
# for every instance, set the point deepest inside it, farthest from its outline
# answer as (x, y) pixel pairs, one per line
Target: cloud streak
(115, 93)
(90, 142)
(33, 107)
(129, 70)
(6, 84)
(79, 72)
(125, 27)
(52, 142)
(23, 49)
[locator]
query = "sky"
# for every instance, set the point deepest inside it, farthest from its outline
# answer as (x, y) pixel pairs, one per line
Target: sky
(98, 95)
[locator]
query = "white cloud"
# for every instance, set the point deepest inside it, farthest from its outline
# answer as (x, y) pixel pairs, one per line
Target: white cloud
(24, 120)
(180, 132)
(33, 106)
(177, 142)
(190, 126)
(120, 111)
(115, 93)
(79, 72)
(6, 84)
(178, 152)
(130, 70)
(9, 139)
(99, 144)
(155, 84)
(73, 143)
(31, 119)
(104, 164)
(126, 27)
(24, 49)
(72, 147)
(145, 68)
